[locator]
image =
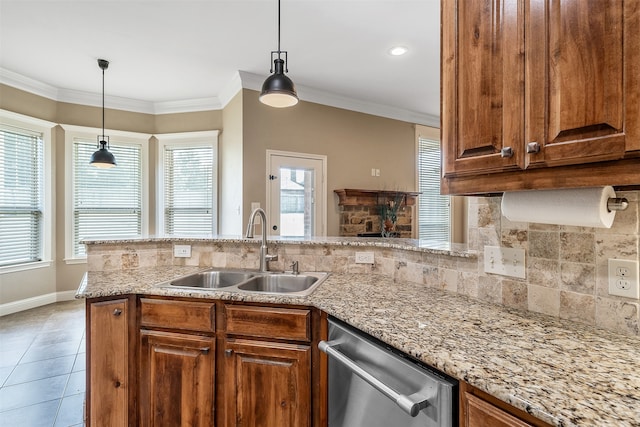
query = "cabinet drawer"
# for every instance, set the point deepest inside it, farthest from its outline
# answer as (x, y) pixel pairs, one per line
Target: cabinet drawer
(266, 322)
(188, 315)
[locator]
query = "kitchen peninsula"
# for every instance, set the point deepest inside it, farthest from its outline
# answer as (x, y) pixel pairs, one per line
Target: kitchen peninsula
(560, 372)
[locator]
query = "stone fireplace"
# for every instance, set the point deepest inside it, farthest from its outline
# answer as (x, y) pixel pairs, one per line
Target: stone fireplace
(360, 212)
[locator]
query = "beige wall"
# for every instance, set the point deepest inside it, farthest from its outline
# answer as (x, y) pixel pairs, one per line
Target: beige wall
(353, 143)
(230, 170)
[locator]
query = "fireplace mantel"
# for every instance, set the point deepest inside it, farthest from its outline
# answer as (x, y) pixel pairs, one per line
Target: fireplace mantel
(355, 197)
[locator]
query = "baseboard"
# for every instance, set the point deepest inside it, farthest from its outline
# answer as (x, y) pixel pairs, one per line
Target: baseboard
(33, 302)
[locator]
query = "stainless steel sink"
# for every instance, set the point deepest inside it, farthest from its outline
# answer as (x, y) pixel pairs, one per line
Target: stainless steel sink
(212, 279)
(250, 281)
(280, 283)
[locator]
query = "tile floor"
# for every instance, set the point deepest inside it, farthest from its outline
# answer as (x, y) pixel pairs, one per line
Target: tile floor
(42, 366)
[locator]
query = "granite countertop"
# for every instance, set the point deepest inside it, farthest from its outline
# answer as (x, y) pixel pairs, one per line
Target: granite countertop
(561, 372)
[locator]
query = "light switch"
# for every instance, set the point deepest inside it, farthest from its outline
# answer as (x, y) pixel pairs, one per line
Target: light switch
(504, 261)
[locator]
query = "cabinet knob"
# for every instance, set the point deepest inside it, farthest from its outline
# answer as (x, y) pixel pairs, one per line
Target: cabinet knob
(506, 152)
(533, 147)
(228, 352)
(117, 312)
(117, 384)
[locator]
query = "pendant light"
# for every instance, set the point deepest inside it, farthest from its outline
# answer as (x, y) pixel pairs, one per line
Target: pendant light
(278, 90)
(103, 158)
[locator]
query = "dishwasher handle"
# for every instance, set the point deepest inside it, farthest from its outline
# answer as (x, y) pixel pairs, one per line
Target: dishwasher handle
(412, 404)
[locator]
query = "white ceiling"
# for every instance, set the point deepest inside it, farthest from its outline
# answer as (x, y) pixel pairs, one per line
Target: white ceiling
(187, 55)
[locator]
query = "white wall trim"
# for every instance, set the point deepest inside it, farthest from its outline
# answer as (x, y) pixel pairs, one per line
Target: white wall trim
(33, 302)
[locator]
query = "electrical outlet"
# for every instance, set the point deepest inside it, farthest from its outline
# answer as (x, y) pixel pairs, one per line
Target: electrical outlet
(182, 251)
(504, 261)
(623, 278)
(364, 258)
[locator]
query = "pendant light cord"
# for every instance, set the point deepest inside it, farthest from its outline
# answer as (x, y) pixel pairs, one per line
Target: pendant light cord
(102, 103)
(278, 29)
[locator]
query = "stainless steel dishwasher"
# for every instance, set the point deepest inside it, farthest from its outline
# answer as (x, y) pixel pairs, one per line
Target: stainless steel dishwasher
(373, 385)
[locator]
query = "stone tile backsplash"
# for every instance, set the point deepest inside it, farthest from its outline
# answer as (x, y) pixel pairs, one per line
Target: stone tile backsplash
(567, 267)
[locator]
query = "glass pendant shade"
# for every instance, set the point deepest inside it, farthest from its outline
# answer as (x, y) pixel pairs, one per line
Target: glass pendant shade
(278, 90)
(103, 158)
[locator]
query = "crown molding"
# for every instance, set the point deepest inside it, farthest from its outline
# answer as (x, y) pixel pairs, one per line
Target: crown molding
(36, 87)
(240, 80)
(305, 93)
(28, 84)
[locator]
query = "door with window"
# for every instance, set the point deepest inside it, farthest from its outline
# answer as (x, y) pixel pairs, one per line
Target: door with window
(296, 193)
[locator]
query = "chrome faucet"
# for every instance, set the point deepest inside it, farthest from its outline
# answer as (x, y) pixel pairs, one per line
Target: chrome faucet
(264, 255)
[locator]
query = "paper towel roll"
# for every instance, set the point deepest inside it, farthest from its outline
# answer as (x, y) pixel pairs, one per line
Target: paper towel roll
(586, 207)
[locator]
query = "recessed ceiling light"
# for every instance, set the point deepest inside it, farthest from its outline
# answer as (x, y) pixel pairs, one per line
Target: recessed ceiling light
(398, 50)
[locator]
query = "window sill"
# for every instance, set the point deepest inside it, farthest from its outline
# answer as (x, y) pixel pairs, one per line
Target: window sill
(75, 261)
(24, 267)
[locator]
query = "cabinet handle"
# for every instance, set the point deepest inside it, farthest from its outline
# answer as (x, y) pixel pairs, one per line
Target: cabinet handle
(533, 147)
(117, 312)
(204, 350)
(228, 352)
(506, 152)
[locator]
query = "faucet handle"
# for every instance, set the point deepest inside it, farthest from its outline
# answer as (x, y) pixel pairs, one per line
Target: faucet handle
(294, 267)
(269, 257)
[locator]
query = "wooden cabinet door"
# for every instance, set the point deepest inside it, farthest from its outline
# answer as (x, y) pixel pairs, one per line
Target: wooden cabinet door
(108, 387)
(177, 379)
(582, 80)
(482, 72)
(480, 413)
(266, 384)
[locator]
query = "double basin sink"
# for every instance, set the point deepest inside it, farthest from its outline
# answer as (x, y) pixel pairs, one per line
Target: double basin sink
(300, 284)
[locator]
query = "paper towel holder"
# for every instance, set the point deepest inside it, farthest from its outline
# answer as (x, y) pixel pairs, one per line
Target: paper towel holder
(617, 203)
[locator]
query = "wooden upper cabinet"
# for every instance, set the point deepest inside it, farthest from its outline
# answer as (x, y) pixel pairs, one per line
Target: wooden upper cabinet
(535, 93)
(482, 86)
(582, 74)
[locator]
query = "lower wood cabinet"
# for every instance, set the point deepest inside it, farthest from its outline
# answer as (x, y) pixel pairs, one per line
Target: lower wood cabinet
(110, 363)
(167, 362)
(479, 409)
(266, 384)
(177, 377)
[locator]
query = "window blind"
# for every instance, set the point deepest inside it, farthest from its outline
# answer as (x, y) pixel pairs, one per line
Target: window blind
(189, 202)
(107, 202)
(433, 209)
(21, 196)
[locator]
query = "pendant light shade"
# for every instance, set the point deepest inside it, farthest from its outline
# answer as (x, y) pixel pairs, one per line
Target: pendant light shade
(278, 90)
(103, 158)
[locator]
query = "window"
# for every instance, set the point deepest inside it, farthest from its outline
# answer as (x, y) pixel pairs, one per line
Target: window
(26, 184)
(21, 196)
(106, 203)
(433, 209)
(188, 187)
